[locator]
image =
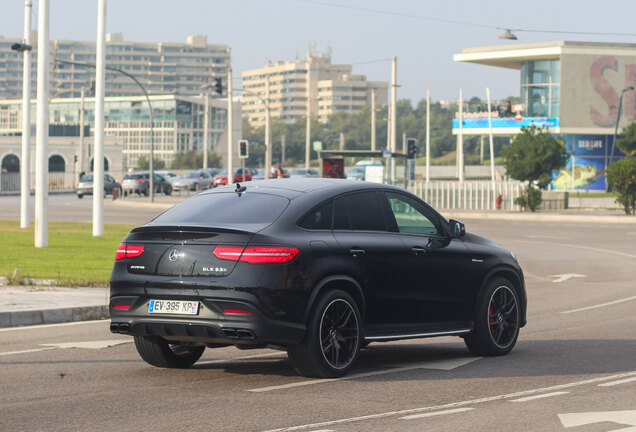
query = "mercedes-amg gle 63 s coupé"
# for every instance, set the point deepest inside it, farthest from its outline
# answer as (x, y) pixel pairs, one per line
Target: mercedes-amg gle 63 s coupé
(317, 267)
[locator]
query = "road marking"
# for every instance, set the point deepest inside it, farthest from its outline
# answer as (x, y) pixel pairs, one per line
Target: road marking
(26, 351)
(565, 277)
(600, 305)
(627, 418)
(41, 326)
(595, 249)
(540, 236)
(456, 404)
(613, 383)
(89, 344)
(541, 396)
(225, 360)
(436, 413)
(442, 365)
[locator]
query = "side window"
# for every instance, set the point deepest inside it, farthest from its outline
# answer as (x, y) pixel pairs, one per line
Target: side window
(319, 218)
(411, 216)
(359, 212)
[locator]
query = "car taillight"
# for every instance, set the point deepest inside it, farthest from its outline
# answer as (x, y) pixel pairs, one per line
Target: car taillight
(128, 251)
(140, 180)
(256, 254)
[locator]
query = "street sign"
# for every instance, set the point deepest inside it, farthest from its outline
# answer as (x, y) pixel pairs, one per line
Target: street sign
(317, 145)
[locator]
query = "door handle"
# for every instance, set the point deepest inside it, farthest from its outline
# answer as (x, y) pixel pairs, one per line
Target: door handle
(418, 250)
(356, 251)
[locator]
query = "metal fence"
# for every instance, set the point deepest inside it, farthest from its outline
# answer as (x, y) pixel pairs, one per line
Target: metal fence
(57, 180)
(474, 195)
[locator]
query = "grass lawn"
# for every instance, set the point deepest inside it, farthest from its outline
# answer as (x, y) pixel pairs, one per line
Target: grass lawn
(74, 257)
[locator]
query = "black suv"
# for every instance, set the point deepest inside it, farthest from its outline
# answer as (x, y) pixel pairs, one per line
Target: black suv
(319, 267)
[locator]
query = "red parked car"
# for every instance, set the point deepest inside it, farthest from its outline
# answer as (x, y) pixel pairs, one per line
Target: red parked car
(239, 177)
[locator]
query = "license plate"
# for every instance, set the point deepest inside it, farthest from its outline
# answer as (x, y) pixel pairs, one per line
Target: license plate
(181, 307)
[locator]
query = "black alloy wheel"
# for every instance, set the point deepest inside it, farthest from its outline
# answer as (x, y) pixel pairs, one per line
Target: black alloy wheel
(158, 352)
(333, 338)
(497, 321)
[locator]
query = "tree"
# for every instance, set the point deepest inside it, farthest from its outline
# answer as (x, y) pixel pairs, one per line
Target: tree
(192, 159)
(143, 163)
(532, 157)
(621, 176)
(626, 141)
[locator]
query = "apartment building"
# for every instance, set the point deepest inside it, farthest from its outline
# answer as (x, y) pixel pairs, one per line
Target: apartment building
(286, 85)
(162, 68)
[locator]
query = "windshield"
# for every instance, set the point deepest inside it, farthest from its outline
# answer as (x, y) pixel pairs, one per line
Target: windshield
(191, 174)
(86, 178)
(227, 208)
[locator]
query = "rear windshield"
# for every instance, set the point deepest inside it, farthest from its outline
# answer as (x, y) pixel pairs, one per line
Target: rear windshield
(86, 178)
(133, 176)
(225, 209)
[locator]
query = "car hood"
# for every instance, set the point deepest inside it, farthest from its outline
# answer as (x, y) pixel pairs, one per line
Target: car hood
(476, 239)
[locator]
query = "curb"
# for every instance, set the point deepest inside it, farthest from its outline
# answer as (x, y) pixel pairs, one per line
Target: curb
(52, 316)
(578, 218)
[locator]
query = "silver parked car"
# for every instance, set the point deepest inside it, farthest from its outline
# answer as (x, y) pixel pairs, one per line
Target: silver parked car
(193, 181)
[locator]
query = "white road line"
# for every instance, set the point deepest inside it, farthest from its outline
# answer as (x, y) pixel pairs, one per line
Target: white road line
(41, 326)
(456, 404)
(27, 351)
(443, 365)
(600, 305)
(541, 396)
(595, 249)
(436, 413)
(225, 360)
(613, 383)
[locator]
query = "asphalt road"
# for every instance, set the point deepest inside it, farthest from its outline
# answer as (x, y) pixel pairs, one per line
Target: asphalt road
(574, 367)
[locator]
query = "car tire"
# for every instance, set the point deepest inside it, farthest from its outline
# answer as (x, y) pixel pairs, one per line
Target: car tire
(156, 351)
(497, 320)
(333, 338)
(80, 196)
(147, 191)
(168, 190)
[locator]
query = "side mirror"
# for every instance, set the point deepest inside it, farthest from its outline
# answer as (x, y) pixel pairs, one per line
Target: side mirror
(457, 229)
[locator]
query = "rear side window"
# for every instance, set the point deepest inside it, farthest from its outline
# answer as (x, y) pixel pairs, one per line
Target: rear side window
(225, 208)
(319, 218)
(359, 212)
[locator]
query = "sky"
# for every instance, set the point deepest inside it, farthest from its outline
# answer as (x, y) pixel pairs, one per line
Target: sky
(423, 34)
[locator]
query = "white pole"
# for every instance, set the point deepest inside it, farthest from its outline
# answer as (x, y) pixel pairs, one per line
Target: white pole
(308, 128)
(42, 130)
(80, 157)
(373, 132)
(492, 146)
(393, 115)
(428, 134)
(25, 160)
(460, 143)
(230, 132)
(268, 141)
(98, 156)
(205, 129)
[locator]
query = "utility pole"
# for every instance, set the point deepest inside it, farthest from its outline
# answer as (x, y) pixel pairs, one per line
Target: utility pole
(342, 141)
(230, 132)
(42, 130)
(98, 158)
(308, 129)
(282, 144)
(393, 115)
(205, 129)
(268, 138)
(81, 132)
(25, 160)
(428, 134)
(492, 145)
(373, 132)
(460, 138)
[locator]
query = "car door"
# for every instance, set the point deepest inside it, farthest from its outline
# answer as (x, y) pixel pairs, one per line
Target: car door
(371, 254)
(437, 289)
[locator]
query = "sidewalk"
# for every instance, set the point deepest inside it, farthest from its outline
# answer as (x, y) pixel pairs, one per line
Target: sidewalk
(22, 306)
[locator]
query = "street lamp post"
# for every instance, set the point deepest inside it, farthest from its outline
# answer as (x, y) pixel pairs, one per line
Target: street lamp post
(268, 132)
(618, 119)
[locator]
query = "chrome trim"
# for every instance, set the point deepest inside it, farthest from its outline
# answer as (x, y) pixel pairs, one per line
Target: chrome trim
(418, 335)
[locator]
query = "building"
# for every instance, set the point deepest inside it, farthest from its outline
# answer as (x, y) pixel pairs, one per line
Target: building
(332, 88)
(178, 126)
(162, 68)
(572, 88)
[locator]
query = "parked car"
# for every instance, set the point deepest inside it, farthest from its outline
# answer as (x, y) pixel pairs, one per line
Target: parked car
(193, 181)
(169, 176)
(139, 182)
(304, 172)
(358, 172)
(259, 175)
(85, 185)
(320, 267)
(239, 176)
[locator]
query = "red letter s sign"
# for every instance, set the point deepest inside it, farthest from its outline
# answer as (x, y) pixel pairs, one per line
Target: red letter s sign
(605, 90)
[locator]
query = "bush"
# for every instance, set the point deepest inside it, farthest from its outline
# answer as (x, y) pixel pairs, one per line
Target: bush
(621, 176)
(531, 200)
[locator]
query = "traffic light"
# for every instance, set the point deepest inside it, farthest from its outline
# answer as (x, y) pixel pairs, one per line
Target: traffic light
(21, 47)
(243, 149)
(218, 85)
(411, 148)
(91, 91)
